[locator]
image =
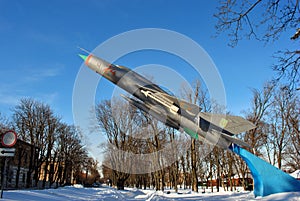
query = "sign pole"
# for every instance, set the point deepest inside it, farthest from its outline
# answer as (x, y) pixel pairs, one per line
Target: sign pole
(3, 176)
(8, 139)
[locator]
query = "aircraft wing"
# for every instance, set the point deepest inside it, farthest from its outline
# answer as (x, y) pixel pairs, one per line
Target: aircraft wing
(232, 124)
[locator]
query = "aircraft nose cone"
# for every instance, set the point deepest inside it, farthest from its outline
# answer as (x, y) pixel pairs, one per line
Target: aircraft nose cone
(82, 56)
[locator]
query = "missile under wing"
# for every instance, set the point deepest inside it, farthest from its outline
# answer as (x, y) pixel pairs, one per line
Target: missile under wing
(175, 104)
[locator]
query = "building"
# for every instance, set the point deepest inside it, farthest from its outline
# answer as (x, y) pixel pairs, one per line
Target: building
(17, 173)
(57, 173)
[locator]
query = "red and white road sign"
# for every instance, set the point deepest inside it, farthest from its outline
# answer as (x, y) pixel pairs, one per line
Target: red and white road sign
(9, 138)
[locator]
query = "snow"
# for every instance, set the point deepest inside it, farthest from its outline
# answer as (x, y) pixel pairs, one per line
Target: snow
(78, 192)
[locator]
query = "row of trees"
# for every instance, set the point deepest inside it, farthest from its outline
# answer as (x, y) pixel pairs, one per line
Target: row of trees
(56, 150)
(140, 151)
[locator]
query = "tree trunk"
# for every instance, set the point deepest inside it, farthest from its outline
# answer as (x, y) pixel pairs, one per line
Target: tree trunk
(183, 172)
(175, 176)
(162, 176)
(30, 167)
(194, 166)
(210, 171)
(218, 171)
(145, 181)
(120, 184)
(157, 181)
(20, 156)
(45, 173)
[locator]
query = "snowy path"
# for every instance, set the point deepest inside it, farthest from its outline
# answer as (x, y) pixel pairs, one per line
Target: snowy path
(111, 194)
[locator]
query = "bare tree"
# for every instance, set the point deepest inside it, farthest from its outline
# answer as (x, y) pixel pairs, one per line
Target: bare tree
(257, 137)
(116, 121)
(31, 122)
(281, 129)
(155, 144)
(51, 133)
(174, 169)
(265, 21)
(261, 102)
(293, 149)
(69, 153)
(184, 169)
(53, 143)
(193, 97)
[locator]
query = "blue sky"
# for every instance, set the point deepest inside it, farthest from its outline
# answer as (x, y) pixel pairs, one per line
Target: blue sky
(39, 42)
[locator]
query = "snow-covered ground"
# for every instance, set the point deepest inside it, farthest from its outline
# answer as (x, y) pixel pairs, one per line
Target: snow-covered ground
(109, 194)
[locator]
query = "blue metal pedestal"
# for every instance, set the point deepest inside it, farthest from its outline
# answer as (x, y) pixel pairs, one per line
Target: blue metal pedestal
(267, 178)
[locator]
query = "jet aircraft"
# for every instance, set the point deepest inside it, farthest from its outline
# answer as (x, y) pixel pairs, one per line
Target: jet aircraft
(214, 129)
